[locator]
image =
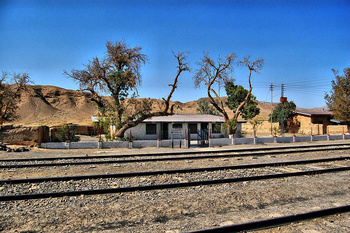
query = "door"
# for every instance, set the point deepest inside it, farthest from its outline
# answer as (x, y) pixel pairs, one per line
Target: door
(204, 135)
(204, 126)
(164, 131)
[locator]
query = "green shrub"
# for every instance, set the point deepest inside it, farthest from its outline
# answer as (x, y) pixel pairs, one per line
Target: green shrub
(66, 132)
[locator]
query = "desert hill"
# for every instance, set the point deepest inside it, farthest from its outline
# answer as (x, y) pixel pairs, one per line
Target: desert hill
(50, 105)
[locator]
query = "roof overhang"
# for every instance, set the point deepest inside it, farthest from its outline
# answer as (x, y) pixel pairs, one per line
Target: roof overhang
(339, 122)
(314, 113)
(200, 118)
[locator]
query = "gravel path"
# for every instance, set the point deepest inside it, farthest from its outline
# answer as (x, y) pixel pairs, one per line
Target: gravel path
(184, 209)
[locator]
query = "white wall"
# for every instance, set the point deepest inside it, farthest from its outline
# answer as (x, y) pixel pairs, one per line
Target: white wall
(139, 132)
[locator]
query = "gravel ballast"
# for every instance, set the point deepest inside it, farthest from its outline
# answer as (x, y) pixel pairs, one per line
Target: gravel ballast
(178, 210)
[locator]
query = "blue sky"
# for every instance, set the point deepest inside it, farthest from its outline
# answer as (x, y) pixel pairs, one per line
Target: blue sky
(301, 41)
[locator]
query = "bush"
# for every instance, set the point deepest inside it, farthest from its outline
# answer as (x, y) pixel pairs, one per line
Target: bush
(66, 132)
(103, 127)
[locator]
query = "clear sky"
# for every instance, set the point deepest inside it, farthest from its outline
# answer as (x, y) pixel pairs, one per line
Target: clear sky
(301, 41)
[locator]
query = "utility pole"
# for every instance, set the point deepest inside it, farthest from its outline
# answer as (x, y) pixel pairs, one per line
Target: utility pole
(282, 109)
(271, 89)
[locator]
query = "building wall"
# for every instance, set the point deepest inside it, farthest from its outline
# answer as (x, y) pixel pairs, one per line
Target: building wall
(316, 129)
(78, 129)
(307, 127)
(85, 130)
(316, 125)
(24, 135)
(264, 128)
(337, 129)
(324, 120)
(139, 132)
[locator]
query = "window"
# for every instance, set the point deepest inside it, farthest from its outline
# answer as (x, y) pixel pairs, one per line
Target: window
(177, 126)
(192, 128)
(216, 128)
(151, 129)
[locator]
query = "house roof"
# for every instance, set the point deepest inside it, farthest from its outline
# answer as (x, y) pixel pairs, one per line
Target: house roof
(314, 113)
(339, 122)
(198, 118)
(188, 118)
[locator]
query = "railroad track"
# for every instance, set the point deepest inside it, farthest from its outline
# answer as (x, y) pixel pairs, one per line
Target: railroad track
(175, 171)
(208, 182)
(193, 155)
(266, 175)
(273, 222)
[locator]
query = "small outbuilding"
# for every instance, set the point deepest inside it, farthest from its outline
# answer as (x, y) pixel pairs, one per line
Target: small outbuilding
(310, 122)
(316, 122)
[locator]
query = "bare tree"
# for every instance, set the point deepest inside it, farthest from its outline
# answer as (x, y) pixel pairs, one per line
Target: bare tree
(118, 74)
(254, 66)
(212, 72)
(11, 89)
(144, 109)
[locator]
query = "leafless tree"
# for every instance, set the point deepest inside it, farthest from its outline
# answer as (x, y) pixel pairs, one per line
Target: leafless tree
(253, 66)
(118, 74)
(11, 89)
(211, 72)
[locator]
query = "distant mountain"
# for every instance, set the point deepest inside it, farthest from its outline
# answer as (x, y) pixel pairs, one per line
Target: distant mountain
(50, 105)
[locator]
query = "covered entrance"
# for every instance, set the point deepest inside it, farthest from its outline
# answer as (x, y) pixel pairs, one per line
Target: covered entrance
(198, 136)
(203, 135)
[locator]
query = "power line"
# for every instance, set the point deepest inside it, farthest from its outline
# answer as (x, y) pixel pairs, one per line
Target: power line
(313, 88)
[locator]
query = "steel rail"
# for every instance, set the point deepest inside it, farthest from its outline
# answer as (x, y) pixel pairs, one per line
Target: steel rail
(167, 186)
(160, 172)
(236, 150)
(210, 156)
(279, 221)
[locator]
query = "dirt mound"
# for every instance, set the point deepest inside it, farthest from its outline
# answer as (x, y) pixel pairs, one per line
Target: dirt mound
(48, 105)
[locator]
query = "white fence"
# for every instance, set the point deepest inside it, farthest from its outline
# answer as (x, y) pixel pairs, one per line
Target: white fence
(184, 142)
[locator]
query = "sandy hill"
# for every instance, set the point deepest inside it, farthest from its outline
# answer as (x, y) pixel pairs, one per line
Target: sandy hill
(50, 105)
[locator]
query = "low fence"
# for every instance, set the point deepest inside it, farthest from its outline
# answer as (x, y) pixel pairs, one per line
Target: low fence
(183, 143)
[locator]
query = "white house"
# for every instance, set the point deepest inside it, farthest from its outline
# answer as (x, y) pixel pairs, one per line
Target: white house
(179, 126)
